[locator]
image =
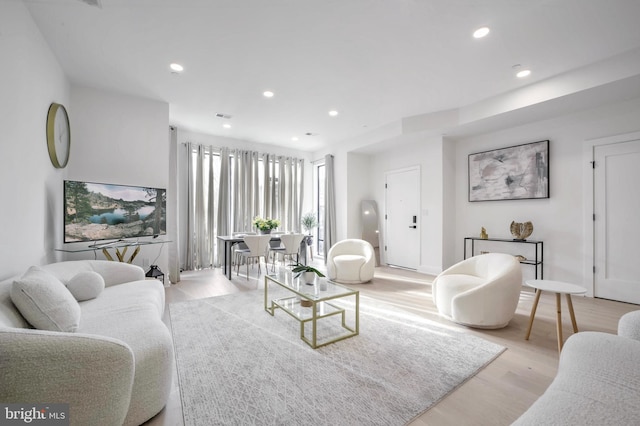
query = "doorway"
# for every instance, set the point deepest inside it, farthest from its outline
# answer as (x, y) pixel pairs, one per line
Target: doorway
(616, 202)
(402, 225)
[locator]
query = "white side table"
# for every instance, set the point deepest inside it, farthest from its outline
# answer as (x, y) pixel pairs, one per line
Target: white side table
(558, 288)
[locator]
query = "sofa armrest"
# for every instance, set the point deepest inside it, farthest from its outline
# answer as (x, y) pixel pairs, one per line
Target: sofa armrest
(94, 375)
(117, 272)
(598, 383)
(629, 325)
(112, 272)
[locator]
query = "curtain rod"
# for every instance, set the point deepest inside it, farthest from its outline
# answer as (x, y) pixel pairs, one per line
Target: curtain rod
(218, 149)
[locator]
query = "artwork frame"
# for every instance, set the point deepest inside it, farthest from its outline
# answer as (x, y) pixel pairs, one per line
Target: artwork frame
(519, 172)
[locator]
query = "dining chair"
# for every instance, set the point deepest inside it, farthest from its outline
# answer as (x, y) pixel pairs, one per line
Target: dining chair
(290, 247)
(274, 244)
(257, 247)
(240, 247)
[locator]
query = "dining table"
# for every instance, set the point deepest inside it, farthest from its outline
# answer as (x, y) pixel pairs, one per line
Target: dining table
(230, 240)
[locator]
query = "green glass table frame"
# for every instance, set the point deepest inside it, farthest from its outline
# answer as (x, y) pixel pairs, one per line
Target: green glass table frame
(318, 295)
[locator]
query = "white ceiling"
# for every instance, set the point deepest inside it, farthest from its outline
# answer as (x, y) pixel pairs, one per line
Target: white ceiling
(375, 61)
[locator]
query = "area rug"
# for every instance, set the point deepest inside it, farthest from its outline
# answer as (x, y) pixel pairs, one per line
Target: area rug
(238, 365)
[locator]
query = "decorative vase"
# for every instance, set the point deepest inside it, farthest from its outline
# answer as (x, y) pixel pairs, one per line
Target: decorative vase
(265, 231)
(521, 231)
(309, 277)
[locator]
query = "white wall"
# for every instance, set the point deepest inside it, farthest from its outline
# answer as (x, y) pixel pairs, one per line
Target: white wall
(449, 202)
(560, 220)
(427, 153)
(30, 187)
(122, 140)
(359, 188)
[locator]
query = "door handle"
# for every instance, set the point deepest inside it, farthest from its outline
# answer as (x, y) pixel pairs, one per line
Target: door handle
(413, 226)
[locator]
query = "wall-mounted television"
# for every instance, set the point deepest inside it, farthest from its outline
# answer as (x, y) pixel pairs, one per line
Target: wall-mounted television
(100, 211)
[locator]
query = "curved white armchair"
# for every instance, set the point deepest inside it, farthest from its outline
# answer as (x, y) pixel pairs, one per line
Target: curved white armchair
(351, 261)
(482, 291)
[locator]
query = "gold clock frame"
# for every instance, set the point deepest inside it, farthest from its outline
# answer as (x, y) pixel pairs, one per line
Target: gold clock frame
(51, 139)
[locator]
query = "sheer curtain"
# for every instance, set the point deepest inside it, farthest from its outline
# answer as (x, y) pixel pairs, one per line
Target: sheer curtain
(289, 191)
(329, 205)
(225, 196)
(224, 202)
(201, 209)
(261, 185)
(246, 189)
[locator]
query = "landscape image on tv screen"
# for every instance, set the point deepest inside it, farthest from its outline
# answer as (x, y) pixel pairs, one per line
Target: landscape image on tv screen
(99, 211)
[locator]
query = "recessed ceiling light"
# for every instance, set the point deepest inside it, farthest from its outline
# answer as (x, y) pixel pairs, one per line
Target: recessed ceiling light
(294, 138)
(523, 73)
(333, 113)
(268, 94)
(481, 32)
(226, 125)
(176, 67)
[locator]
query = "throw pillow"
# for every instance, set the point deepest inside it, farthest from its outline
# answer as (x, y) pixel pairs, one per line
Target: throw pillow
(86, 285)
(45, 302)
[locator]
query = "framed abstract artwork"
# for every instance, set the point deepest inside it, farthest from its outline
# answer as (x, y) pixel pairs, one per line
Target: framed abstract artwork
(514, 173)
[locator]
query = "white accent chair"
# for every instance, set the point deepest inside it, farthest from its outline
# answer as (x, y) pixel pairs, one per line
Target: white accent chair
(351, 261)
(257, 245)
(482, 291)
(290, 247)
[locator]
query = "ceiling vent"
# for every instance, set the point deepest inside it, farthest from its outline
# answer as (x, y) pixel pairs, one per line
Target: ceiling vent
(221, 115)
(96, 3)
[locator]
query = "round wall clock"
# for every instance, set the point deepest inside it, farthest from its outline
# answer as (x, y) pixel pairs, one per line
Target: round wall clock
(58, 135)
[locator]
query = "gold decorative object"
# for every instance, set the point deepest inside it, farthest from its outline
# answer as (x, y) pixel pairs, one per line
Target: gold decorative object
(483, 234)
(521, 230)
(520, 257)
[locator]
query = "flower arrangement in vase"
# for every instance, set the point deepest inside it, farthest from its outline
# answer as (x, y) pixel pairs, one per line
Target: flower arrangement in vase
(265, 225)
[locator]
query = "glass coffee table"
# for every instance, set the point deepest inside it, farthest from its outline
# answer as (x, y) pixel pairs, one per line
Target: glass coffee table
(309, 303)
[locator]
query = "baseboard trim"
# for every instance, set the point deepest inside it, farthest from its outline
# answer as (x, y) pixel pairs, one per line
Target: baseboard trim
(429, 270)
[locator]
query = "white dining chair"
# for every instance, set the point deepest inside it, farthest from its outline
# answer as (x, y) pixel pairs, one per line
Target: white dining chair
(240, 247)
(257, 245)
(290, 246)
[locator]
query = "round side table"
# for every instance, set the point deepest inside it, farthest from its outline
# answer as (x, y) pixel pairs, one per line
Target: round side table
(558, 288)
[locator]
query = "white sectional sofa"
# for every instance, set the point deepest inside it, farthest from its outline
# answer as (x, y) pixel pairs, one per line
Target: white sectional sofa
(112, 364)
(598, 380)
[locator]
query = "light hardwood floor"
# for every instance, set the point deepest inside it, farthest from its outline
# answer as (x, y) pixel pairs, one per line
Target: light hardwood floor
(497, 395)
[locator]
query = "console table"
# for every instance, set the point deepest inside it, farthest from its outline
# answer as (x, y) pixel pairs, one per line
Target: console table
(116, 245)
(537, 263)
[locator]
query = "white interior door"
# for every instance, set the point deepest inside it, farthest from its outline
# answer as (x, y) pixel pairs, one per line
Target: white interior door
(402, 208)
(616, 232)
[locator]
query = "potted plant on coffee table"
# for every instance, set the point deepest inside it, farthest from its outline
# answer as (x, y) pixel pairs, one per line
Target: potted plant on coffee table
(309, 273)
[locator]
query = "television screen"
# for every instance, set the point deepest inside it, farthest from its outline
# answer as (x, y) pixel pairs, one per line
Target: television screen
(99, 211)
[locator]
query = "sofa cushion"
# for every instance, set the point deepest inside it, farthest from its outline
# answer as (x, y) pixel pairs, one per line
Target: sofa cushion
(45, 302)
(86, 285)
